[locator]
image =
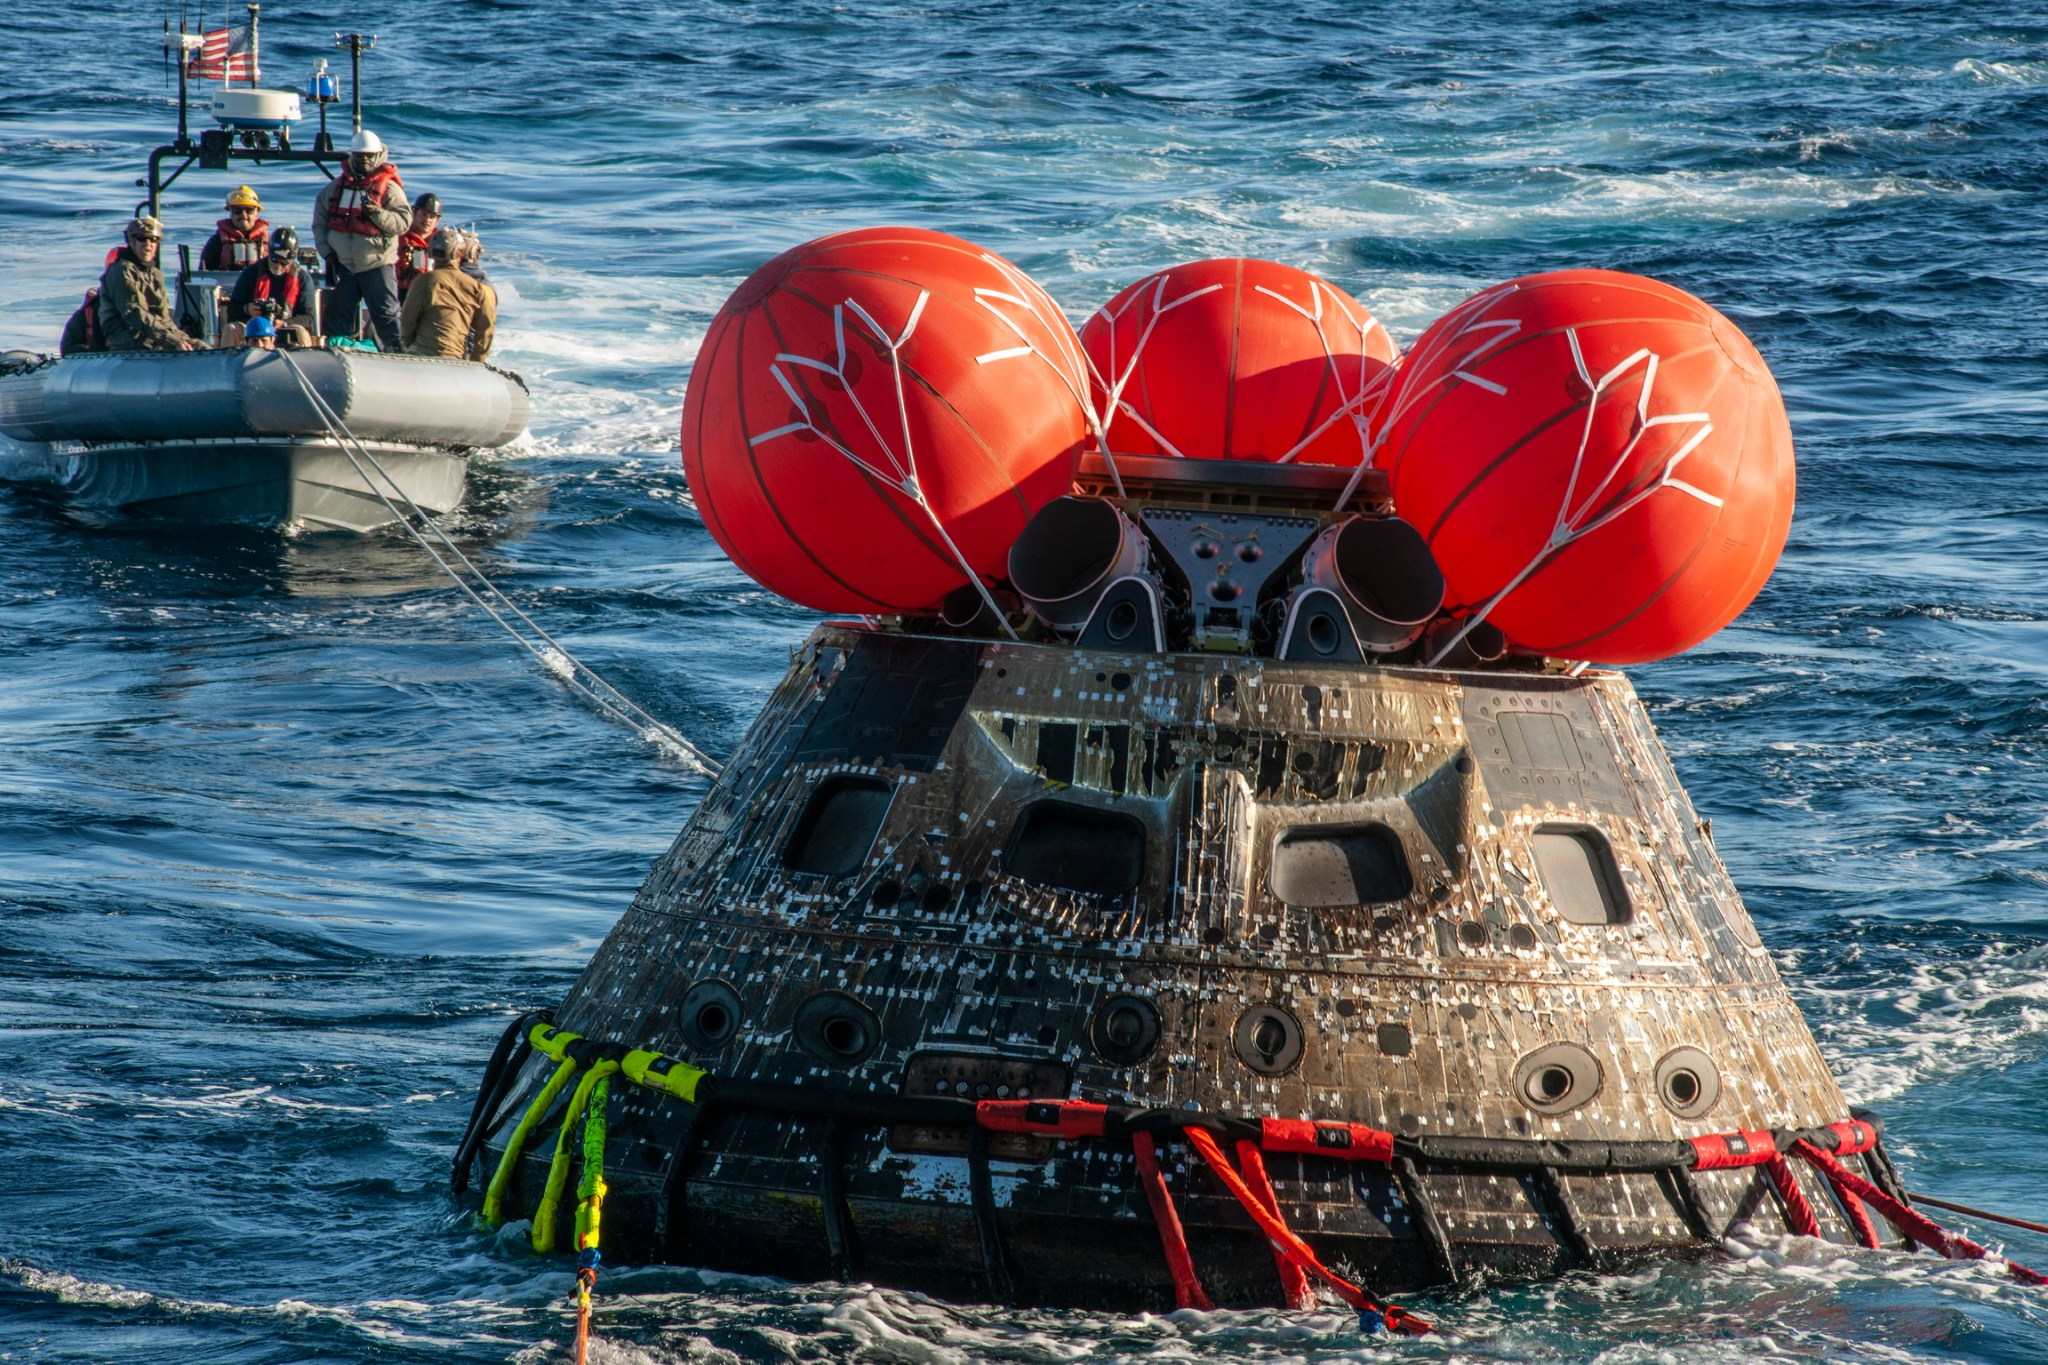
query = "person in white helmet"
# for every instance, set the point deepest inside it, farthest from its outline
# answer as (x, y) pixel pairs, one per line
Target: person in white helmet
(357, 222)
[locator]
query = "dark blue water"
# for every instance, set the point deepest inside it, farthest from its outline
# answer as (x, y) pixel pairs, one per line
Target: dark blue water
(286, 830)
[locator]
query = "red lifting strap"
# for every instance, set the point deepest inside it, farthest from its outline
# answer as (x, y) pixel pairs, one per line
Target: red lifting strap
(1297, 1250)
(1859, 1216)
(1853, 1136)
(1294, 1286)
(1719, 1151)
(1913, 1223)
(1307, 1137)
(1187, 1288)
(1043, 1118)
(1798, 1213)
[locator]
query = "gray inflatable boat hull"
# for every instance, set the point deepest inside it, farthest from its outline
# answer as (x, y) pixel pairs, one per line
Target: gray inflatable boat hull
(310, 483)
(187, 395)
(230, 435)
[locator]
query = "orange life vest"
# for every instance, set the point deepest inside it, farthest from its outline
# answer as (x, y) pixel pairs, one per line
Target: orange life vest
(284, 288)
(89, 318)
(353, 200)
(239, 248)
(413, 259)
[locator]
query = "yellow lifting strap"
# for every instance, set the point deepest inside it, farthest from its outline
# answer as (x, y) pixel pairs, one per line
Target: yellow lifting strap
(552, 1041)
(642, 1067)
(501, 1179)
(565, 1147)
(590, 1193)
(665, 1074)
(591, 1190)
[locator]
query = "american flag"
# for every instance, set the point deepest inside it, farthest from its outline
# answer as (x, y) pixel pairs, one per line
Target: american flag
(226, 55)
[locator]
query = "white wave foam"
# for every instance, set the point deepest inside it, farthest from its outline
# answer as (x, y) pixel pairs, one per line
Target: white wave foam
(2002, 73)
(1967, 1015)
(74, 1289)
(1399, 211)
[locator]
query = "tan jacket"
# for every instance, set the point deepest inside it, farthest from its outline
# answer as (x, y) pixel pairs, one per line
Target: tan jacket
(358, 251)
(135, 307)
(449, 314)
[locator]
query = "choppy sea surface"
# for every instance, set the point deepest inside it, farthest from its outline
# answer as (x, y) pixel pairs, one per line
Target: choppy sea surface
(287, 830)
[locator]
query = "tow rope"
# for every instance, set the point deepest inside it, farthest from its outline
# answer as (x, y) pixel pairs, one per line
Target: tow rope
(573, 673)
(1543, 1161)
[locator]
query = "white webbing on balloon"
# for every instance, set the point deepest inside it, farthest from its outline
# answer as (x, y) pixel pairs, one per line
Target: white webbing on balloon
(1075, 369)
(899, 472)
(1425, 355)
(1354, 404)
(1113, 393)
(1579, 515)
(1352, 407)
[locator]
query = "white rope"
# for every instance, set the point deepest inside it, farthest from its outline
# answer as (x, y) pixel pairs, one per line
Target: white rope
(574, 674)
(1472, 314)
(1354, 404)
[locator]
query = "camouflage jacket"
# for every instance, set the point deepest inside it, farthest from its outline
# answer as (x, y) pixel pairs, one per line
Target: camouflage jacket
(135, 307)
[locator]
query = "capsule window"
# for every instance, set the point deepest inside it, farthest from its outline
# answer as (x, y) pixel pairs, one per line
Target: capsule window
(1578, 870)
(838, 826)
(1320, 866)
(1076, 848)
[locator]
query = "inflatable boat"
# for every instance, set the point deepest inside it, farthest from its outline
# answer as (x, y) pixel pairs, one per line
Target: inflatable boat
(231, 435)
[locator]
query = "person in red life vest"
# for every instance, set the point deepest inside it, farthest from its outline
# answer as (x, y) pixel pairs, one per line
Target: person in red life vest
(276, 288)
(82, 328)
(357, 221)
(238, 239)
(415, 255)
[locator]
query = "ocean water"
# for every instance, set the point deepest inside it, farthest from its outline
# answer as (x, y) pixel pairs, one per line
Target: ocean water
(287, 830)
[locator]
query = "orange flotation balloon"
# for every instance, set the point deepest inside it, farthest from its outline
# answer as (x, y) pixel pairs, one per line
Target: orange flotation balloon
(876, 413)
(1238, 360)
(1600, 462)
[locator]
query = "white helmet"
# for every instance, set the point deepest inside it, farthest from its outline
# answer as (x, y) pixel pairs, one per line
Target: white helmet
(365, 141)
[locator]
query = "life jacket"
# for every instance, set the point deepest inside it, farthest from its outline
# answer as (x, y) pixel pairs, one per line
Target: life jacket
(239, 248)
(413, 259)
(88, 319)
(353, 200)
(284, 288)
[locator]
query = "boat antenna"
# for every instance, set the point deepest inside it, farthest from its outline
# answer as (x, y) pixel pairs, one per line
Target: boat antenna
(255, 62)
(357, 44)
(184, 79)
